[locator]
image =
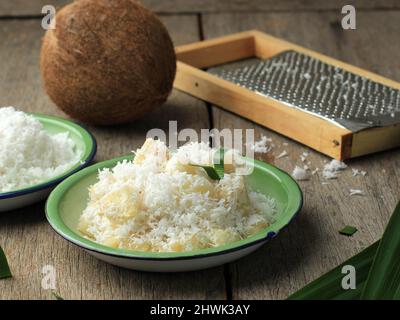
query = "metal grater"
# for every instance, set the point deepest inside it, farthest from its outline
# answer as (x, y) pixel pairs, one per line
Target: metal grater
(329, 92)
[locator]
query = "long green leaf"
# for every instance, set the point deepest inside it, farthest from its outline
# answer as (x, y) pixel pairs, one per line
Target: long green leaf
(352, 294)
(383, 280)
(329, 285)
(4, 268)
(219, 162)
(56, 296)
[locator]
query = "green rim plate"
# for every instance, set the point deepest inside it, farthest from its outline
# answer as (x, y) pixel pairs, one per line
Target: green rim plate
(83, 139)
(68, 200)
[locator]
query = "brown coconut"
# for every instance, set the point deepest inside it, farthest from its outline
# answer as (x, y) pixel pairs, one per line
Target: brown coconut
(107, 62)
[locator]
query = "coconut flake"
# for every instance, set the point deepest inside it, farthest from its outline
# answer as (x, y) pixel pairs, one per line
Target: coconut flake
(282, 154)
(356, 192)
(300, 174)
(332, 168)
(261, 146)
(357, 172)
(315, 171)
(304, 156)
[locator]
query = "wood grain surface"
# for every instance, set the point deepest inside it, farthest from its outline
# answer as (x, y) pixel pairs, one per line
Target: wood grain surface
(34, 7)
(309, 247)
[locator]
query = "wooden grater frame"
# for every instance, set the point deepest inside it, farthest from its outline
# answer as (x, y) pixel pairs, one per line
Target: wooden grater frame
(311, 130)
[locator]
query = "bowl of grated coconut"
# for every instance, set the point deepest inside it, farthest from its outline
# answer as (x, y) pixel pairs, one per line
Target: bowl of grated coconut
(36, 153)
(166, 211)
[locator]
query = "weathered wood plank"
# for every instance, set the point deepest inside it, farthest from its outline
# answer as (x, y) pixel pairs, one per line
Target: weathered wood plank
(25, 234)
(34, 7)
(15, 8)
(207, 6)
(312, 245)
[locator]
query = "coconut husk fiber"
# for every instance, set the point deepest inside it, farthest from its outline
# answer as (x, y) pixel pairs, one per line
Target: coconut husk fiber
(107, 62)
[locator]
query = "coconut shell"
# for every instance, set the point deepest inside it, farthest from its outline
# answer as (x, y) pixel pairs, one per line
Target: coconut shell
(107, 62)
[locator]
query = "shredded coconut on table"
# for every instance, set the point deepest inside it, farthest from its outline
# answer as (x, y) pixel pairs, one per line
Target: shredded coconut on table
(356, 192)
(357, 172)
(28, 154)
(304, 156)
(282, 154)
(262, 146)
(332, 169)
(159, 202)
(315, 171)
(300, 174)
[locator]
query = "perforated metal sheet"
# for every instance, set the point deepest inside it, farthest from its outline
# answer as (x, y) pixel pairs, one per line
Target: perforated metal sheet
(303, 82)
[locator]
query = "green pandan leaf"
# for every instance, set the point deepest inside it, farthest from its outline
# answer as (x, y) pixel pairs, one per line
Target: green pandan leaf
(56, 296)
(348, 231)
(212, 173)
(329, 285)
(219, 162)
(4, 268)
(216, 171)
(383, 280)
(377, 269)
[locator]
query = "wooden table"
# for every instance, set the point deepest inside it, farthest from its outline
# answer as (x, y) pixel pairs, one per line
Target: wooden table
(305, 250)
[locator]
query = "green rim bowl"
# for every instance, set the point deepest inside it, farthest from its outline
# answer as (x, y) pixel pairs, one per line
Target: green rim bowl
(84, 142)
(68, 200)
